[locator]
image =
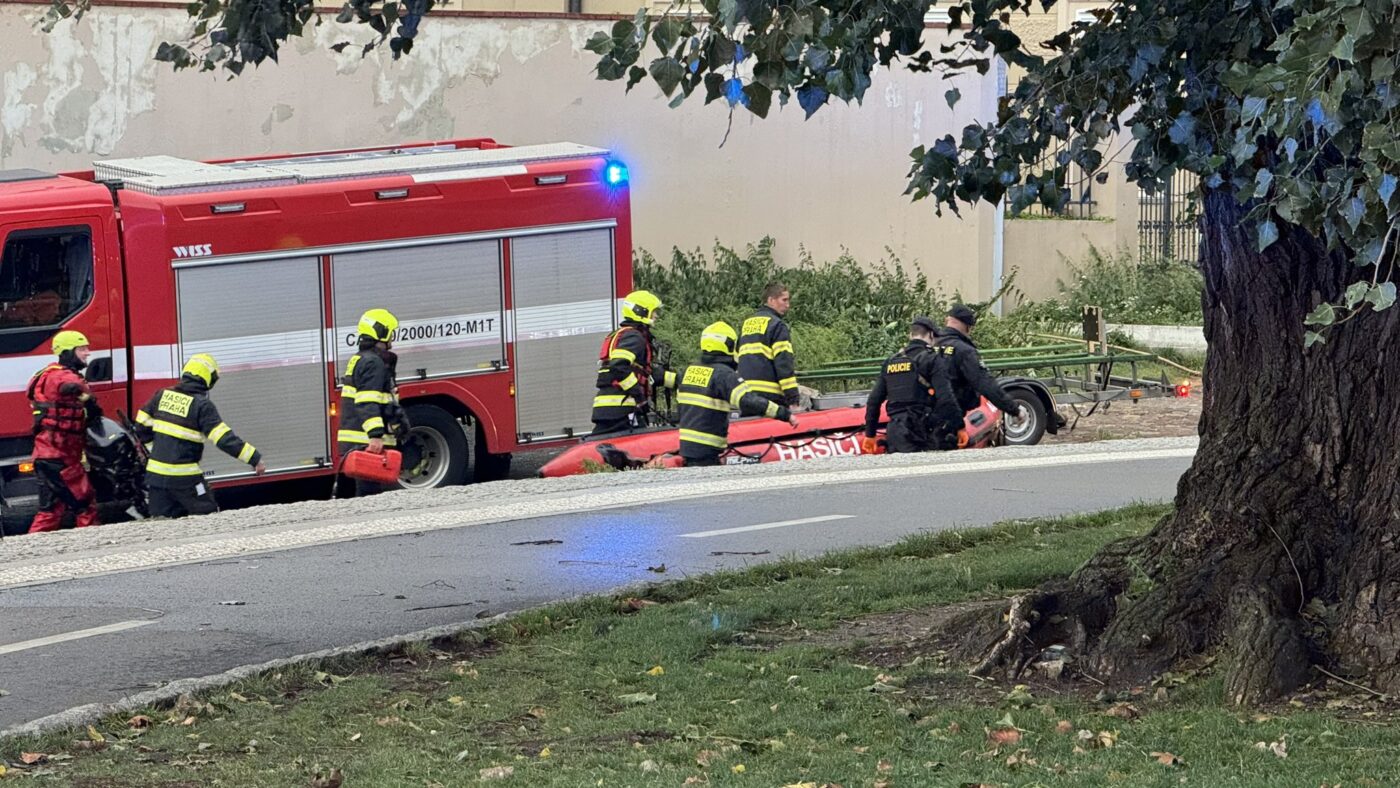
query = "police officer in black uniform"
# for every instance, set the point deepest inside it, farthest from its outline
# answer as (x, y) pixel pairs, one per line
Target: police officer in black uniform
(914, 387)
(971, 380)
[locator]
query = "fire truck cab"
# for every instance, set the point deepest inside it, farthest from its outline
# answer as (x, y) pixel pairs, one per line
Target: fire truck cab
(503, 264)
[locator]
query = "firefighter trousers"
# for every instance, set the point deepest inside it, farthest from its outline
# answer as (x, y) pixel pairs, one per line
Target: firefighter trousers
(627, 423)
(63, 487)
(176, 502)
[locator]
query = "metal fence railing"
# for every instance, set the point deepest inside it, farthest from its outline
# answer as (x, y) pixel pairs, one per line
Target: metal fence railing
(1079, 202)
(1167, 228)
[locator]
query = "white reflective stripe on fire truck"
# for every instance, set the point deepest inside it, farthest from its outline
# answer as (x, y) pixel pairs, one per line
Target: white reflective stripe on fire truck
(155, 362)
(15, 371)
(561, 320)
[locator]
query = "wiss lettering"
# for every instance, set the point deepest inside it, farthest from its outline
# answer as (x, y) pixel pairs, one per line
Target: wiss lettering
(197, 250)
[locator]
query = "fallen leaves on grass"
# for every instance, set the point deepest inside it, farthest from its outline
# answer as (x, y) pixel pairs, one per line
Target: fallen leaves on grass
(632, 604)
(1020, 696)
(1020, 758)
(1123, 711)
(1088, 740)
(1064, 726)
(1278, 748)
(1168, 759)
(139, 722)
(657, 671)
(637, 698)
(1003, 737)
(32, 758)
(496, 772)
(332, 780)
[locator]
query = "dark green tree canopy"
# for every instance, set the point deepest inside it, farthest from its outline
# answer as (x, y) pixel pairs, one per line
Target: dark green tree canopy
(1289, 104)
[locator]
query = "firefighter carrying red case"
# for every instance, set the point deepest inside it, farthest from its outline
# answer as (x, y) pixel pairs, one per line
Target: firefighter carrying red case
(382, 468)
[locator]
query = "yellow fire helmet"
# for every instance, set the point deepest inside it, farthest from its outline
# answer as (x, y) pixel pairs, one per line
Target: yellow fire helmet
(68, 340)
(204, 367)
(719, 338)
(379, 324)
(641, 306)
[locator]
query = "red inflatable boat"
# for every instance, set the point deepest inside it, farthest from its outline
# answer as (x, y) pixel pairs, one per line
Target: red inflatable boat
(832, 428)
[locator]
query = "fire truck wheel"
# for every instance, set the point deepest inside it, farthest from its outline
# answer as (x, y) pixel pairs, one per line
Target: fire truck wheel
(445, 449)
(1030, 431)
(489, 467)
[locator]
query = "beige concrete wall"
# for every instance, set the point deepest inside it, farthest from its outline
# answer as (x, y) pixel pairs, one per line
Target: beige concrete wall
(1040, 248)
(90, 90)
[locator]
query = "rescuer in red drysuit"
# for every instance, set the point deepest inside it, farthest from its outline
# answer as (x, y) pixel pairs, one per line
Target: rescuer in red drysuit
(62, 406)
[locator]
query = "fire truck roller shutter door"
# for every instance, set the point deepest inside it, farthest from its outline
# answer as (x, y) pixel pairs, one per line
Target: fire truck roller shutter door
(446, 296)
(565, 303)
(263, 322)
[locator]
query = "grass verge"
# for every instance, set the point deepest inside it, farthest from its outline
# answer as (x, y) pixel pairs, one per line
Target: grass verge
(809, 673)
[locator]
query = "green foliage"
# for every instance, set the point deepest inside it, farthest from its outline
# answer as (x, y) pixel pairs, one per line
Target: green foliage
(841, 309)
(1157, 292)
(1288, 105)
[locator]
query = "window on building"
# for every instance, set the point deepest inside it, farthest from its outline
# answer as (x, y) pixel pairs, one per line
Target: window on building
(45, 276)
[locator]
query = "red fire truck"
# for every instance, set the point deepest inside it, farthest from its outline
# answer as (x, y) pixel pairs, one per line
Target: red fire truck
(503, 265)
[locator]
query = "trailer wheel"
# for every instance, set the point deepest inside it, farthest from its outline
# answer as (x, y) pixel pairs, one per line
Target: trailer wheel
(1029, 432)
(445, 449)
(489, 467)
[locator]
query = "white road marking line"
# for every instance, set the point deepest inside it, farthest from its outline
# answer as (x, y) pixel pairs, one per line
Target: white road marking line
(826, 518)
(79, 634)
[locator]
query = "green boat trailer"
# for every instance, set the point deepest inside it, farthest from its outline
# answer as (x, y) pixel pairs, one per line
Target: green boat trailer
(1072, 372)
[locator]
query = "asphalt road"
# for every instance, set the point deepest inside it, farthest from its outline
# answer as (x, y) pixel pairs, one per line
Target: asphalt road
(100, 638)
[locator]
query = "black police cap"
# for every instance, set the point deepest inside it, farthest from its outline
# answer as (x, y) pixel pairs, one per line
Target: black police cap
(963, 313)
(925, 323)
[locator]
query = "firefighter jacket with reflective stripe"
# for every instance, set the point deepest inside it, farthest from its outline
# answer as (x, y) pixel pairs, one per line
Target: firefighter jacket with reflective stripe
(627, 374)
(57, 396)
(175, 423)
(765, 357)
(970, 378)
(369, 406)
(914, 381)
(708, 391)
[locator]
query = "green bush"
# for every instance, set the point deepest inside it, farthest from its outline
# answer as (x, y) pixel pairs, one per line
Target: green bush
(841, 309)
(1153, 292)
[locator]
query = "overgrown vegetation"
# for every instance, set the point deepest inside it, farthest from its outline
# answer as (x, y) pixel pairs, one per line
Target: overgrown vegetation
(844, 309)
(841, 309)
(1147, 292)
(793, 673)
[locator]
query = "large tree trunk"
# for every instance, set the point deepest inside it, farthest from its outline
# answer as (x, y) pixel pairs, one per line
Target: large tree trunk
(1283, 551)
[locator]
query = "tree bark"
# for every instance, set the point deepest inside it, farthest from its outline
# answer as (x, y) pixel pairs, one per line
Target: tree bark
(1282, 551)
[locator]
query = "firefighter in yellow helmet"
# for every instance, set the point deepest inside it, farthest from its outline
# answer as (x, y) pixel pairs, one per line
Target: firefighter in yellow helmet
(62, 406)
(370, 417)
(628, 372)
(709, 390)
(175, 422)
